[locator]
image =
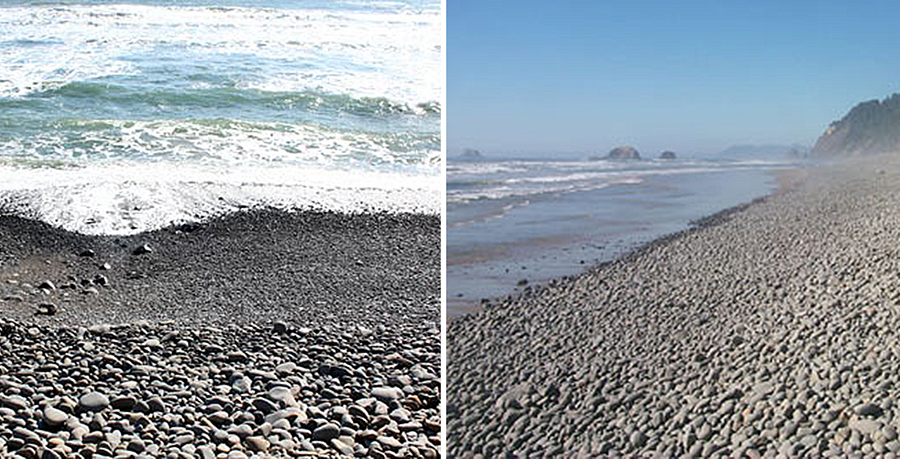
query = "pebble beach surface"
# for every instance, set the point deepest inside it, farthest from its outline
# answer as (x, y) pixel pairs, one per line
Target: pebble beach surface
(259, 334)
(768, 330)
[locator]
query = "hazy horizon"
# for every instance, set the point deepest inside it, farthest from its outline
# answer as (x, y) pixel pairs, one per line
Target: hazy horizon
(574, 154)
(532, 78)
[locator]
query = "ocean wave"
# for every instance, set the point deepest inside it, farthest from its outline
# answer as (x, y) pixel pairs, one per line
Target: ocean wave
(505, 192)
(494, 213)
(391, 54)
(523, 179)
(175, 99)
(591, 176)
(130, 197)
(222, 140)
(511, 167)
(122, 117)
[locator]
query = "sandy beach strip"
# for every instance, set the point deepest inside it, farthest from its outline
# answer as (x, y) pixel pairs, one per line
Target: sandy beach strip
(770, 329)
(263, 333)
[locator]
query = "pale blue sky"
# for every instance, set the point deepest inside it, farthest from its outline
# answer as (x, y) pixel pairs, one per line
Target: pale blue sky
(529, 77)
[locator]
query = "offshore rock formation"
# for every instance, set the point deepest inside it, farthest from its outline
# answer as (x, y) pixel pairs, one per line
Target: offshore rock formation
(470, 154)
(623, 153)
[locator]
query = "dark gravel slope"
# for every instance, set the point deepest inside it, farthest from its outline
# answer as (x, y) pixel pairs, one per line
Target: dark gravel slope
(259, 334)
(249, 266)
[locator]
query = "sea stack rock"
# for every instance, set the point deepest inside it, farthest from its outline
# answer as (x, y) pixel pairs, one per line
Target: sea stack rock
(470, 154)
(667, 155)
(623, 153)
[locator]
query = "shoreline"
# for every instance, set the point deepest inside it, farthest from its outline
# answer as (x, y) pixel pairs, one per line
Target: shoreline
(759, 331)
(471, 306)
(262, 333)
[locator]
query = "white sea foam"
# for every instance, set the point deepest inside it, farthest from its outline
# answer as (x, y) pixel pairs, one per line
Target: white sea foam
(126, 198)
(120, 176)
(503, 192)
(229, 142)
(529, 178)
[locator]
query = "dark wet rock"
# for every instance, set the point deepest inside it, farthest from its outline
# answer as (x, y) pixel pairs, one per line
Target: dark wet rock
(142, 249)
(236, 356)
(189, 227)
(868, 409)
(47, 285)
(47, 309)
(124, 402)
(326, 432)
(264, 405)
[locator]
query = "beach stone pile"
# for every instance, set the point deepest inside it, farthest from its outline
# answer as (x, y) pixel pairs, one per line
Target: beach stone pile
(142, 390)
(261, 333)
(768, 331)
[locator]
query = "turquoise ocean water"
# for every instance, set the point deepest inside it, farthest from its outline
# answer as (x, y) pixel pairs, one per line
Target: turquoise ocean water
(121, 117)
